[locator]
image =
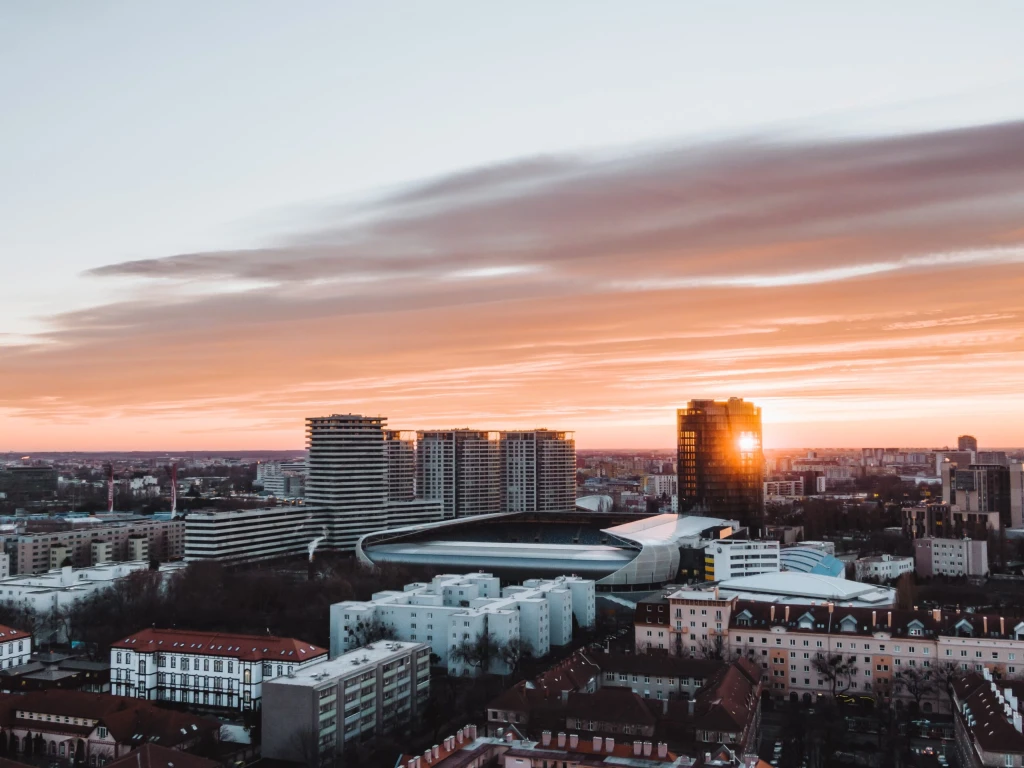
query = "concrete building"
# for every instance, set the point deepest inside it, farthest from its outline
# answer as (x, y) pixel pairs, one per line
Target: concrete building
(951, 557)
(461, 468)
(661, 485)
(967, 443)
(400, 447)
(729, 559)
(348, 700)
(979, 488)
(1017, 495)
(31, 552)
(786, 489)
(453, 609)
(59, 588)
(947, 521)
(987, 721)
(956, 458)
(882, 567)
(720, 461)
(15, 647)
(251, 535)
(204, 668)
(538, 471)
(283, 479)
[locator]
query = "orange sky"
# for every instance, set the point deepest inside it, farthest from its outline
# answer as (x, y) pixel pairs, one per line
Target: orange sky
(864, 292)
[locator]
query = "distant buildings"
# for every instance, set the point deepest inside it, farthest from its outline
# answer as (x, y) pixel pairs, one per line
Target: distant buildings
(461, 468)
(721, 464)
(661, 485)
(40, 552)
(362, 694)
(204, 668)
(947, 521)
(967, 443)
(951, 557)
(453, 610)
(283, 479)
(882, 567)
(24, 482)
(728, 559)
(979, 488)
(788, 489)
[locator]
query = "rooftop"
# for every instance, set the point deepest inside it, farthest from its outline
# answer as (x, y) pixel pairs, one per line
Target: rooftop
(353, 662)
(245, 647)
(794, 586)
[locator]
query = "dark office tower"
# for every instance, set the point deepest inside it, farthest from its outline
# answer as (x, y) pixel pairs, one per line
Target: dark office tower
(721, 464)
(967, 443)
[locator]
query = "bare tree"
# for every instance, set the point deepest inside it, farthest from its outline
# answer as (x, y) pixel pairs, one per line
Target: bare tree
(513, 652)
(479, 652)
(917, 682)
(372, 631)
(838, 670)
(713, 648)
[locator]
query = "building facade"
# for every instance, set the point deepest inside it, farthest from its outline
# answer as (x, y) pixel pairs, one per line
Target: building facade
(951, 557)
(730, 559)
(209, 669)
(987, 721)
(331, 705)
(538, 471)
(720, 460)
(946, 521)
(452, 610)
(882, 567)
(461, 468)
(978, 488)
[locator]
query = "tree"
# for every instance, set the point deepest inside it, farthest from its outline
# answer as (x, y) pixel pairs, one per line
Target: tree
(513, 652)
(479, 652)
(906, 592)
(713, 648)
(372, 631)
(917, 682)
(838, 670)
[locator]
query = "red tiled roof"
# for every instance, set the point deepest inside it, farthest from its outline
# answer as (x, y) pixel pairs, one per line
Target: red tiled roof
(155, 756)
(992, 730)
(9, 633)
(244, 647)
(615, 705)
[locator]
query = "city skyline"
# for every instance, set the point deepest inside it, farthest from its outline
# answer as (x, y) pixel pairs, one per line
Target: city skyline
(507, 236)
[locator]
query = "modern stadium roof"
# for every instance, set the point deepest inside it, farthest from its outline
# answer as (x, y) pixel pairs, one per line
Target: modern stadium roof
(810, 560)
(800, 588)
(641, 551)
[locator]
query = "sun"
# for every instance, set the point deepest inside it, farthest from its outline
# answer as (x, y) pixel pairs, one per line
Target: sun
(747, 443)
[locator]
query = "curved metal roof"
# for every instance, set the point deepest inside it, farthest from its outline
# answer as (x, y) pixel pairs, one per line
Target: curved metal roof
(810, 560)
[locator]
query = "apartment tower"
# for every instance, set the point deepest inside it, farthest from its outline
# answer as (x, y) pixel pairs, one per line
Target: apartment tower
(462, 469)
(721, 463)
(401, 456)
(538, 471)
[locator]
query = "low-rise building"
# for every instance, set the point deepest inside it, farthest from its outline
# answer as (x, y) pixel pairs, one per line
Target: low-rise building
(456, 609)
(326, 706)
(729, 558)
(49, 670)
(15, 647)
(951, 557)
(882, 567)
(94, 728)
(787, 489)
(987, 721)
(211, 669)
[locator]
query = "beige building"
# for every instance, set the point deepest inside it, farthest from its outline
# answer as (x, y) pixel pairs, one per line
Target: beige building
(41, 552)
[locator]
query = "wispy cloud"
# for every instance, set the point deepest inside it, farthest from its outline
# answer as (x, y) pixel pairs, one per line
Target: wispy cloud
(590, 290)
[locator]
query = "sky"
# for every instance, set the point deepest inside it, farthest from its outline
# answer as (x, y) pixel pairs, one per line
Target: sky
(218, 219)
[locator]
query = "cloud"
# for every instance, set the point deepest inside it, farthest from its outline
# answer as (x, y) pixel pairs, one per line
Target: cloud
(580, 289)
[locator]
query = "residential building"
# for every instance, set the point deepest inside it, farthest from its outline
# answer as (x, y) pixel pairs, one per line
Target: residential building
(951, 557)
(967, 443)
(352, 699)
(400, 447)
(987, 721)
(732, 558)
(721, 464)
(15, 647)
(1017, 495)
(947, 521)
(251, 535)
(461, 468)
(786, 489)
(653, 676)
(538, 471)
(661, 485)
(46, 592)
(882, 567)
(31, 552)
(978, 488)
(955, 458)
(205, 668)
(283, 479)
(94, 728)
(452, 610)
(27, 482)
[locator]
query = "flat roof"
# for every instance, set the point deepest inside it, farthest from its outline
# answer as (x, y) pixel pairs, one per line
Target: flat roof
(314, 675)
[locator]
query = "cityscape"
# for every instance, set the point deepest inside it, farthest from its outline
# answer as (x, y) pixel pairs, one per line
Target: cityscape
(566, 385)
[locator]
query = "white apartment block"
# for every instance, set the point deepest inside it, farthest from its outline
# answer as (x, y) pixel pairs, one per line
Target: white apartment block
(538, 471)
(882, 567)
(661, 485)
(357, 696)
(727, 559)
(951, 557)
(787, 489)
(453, 609)
(251, 535)
(461, 468)
(15, 647)
(204, 668)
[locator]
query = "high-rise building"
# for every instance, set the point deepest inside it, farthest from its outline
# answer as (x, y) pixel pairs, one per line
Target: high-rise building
(979, 488)
(721, 464)
(460, 468)
(967, 443)
(401, 455)
(538, 471)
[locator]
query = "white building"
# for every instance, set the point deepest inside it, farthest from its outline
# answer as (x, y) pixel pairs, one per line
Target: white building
(361, 694)
(882, 567)
(250, 535)
(15, 647)
(453, 609)
(661, 485)
(786, 489)
(206, 668)
(951, 557)
(538, 471)
(46, 592)
(727, 559)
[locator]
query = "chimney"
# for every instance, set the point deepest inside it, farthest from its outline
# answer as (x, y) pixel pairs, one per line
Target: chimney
(638, 747)
(888, 619)
(460, 735)
(411, 763)
(509, 737)
(609, 744)
(662, 750)
(472, 732)
(427, 757)
(771, 612)
(435, 752)
(984, 624)
(561, 739)
(1002, 626)
(545, 738)
(664, 706)
(831, 606)
(648, 748)
(874, 619)
(936, 614)
(689, 706)
(574, 740)
(598, 743)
